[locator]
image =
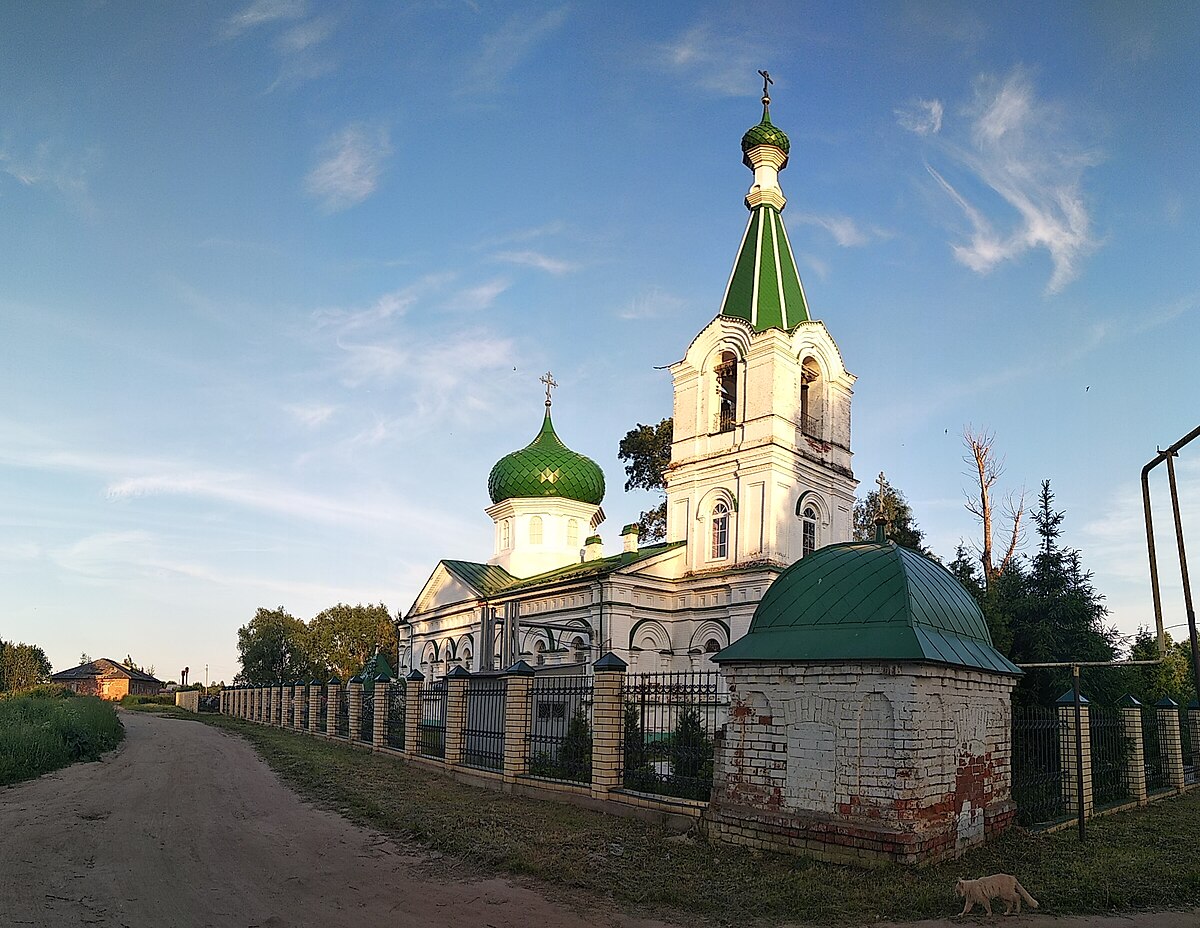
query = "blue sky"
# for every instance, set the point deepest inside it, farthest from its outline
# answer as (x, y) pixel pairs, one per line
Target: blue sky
(277, 279)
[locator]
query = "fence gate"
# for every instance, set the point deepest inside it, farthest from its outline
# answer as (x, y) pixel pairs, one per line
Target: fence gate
(483, 737)
(671, 721)
(560, 728)
(432, 735)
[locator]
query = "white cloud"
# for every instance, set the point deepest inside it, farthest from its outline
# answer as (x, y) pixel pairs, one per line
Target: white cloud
(263, 12)
(1022, 149)
(351, 164)
(311, 414)
(651, 304)
(536, 259)
(924, 117)
(43, 167)
(716, 61)
(480, 296)
(503, 51)
(845, 231)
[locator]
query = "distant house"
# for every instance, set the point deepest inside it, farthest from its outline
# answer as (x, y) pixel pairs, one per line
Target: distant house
(108, 680)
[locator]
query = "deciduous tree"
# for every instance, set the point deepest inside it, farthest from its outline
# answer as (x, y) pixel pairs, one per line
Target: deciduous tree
(273, 647)
(647, 453)
(22, 666)
(986, 469)
(343, 637)
(902, 526)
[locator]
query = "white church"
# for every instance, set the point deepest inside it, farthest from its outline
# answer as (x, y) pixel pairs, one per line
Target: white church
(760, 476)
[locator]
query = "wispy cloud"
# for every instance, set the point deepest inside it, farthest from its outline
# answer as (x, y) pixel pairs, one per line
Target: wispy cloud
(351, 164)
(651, 304)
(261, 13)
(845, 231)
(46, 168)
(311, 414)
(504, 50)
(299, 41)
(536, 259)
(717, 61)
(480, 296)
(924, 117)
(1023, 149)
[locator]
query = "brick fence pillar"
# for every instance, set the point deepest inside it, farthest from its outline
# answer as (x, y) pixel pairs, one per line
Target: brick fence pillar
(412, 711)
(263, 699)
(267, 701)
(608, 720)
(356, 699)
(1167, 712)
(383, 702)
(314, 705)
(457, 681)
(1135, 763)
(334, 689)
(518, 696)
(1070, 786)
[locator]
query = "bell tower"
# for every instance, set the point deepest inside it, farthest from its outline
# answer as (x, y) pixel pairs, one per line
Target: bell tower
(760, 459)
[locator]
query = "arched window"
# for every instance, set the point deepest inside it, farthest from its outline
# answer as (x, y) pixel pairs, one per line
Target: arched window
(464, 655)
(712, 646)
(577, 649)
(810, 398)
(726, 376)
(505, 534)
(535, 530)
(808, 522)
(572, 533)
(720, 531)
(539, 650)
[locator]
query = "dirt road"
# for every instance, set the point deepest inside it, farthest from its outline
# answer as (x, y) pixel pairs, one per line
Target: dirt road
(184, 827)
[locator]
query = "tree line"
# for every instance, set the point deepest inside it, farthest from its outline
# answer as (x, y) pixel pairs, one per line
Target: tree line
(276, 646)
(1041, 606)
(22, 666)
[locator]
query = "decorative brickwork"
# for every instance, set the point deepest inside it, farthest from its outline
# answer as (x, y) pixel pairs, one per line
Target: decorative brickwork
(355, 689)
(1131, 722)
(518, 689)
(607, 718)
(383, 696)
(336, 695)
(1171, 745)
(456, 716)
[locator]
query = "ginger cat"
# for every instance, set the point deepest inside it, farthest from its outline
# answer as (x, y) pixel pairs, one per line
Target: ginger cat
(997, 886)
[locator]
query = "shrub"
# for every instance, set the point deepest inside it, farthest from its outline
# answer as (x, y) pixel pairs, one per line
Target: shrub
(142, 700)
(39, 734)
(41, 691)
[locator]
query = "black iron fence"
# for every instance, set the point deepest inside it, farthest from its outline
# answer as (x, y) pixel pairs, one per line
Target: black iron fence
(397, 708)
(431, 736)
(323, 710)
(366, 716)
(483, 736)
(1037, 765)
(343, 713)
(1111, 751)
(560, 728)
(1156, 766)
(670, 725)
(1187, 743)
(302, 708)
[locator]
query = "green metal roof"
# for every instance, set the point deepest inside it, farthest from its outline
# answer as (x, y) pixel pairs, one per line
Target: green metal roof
(869, 601)
(765, 133)
(376, 664)
(546, 467)
(490, 580)
(765, 288)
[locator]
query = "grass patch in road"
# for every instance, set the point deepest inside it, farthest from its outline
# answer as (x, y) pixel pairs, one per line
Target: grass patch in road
(1134, 860)
(44, 731)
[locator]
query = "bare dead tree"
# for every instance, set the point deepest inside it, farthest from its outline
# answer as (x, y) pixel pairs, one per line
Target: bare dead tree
(986, 469)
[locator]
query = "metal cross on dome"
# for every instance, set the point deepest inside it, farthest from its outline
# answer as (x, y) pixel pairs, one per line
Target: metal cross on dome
(882, 485)
(548, 379)
(766, 80)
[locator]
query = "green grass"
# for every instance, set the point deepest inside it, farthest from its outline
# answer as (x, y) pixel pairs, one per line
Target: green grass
(131, 701)
(1134, 860)
(42, 732)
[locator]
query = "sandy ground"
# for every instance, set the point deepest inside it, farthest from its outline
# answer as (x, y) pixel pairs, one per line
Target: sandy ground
(184, 827)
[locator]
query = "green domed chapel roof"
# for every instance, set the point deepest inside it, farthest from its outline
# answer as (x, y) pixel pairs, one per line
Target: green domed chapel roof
(546, 467)
(765, 133)
(869, 601)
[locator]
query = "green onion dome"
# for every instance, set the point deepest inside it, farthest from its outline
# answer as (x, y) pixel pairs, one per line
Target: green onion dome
(546, 467)
(765, 133)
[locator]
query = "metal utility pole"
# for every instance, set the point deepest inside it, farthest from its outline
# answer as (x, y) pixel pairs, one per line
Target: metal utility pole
(1168, 455)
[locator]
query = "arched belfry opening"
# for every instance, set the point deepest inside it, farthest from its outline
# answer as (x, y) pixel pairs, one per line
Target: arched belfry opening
(727, 392)
(811, 398)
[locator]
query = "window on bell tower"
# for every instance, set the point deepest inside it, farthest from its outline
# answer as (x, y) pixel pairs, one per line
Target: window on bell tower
(726, 385)
(810, 399)
(809, 525)
(720, 531)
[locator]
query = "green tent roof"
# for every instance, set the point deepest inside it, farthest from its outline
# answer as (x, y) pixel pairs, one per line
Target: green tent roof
(869, 601)
(546, 467)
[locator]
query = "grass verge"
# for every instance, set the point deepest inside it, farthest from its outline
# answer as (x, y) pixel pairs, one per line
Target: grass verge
(1134, 860)
(42, 732)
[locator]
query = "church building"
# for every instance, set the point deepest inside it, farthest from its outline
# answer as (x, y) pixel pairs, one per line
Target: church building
(760, 477)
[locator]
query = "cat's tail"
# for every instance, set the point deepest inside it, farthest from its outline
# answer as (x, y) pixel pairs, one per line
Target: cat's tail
(1029, 900)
